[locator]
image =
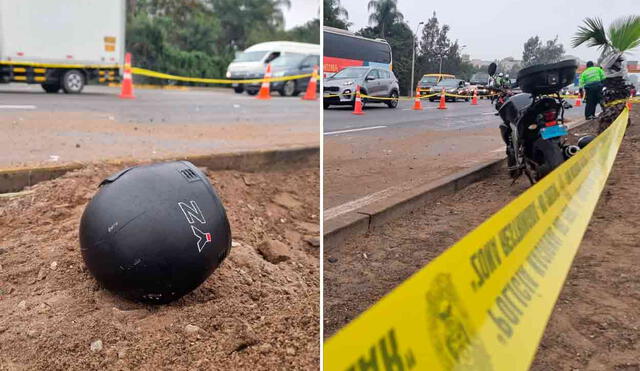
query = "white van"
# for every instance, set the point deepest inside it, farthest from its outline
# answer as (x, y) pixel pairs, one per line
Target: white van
(251, 63)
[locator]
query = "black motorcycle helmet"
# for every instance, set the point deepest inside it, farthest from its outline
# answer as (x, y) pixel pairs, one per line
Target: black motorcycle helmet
(153, 233)
(583, 141)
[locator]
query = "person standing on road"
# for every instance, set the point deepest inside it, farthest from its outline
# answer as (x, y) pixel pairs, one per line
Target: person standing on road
(591, 81)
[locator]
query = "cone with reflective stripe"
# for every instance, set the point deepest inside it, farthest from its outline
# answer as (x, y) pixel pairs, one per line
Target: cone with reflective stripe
(417, 104)
(127, 80)
(311, 88)
(578, 102)
(357, 107)
(265, 93)
(443, 104)
(474, 100)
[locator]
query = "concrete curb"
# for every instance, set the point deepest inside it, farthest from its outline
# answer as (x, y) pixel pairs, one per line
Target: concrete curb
(343, 227)
(14, 180)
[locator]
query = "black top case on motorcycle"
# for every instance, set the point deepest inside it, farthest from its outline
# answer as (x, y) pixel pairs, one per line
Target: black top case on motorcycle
(547, 78)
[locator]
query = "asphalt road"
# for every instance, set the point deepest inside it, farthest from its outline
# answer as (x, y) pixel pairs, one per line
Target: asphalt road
(387, 151)
(155, 106)
(41, 129)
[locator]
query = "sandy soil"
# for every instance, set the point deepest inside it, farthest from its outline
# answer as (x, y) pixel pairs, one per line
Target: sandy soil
(251, 313)
(595, 324)
(53, 138)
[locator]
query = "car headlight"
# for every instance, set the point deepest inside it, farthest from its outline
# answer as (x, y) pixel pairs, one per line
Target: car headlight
(348, 83)
(228, 74)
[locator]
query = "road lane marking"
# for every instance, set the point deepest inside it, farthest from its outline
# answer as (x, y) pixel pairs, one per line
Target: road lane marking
(501, 149)
(352, 130)
(356, 204)
(17, 106)
(488, 113)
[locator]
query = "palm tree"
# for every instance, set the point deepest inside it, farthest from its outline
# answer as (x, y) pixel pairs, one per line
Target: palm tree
(622, 36)
(335, 15)
(385, 14)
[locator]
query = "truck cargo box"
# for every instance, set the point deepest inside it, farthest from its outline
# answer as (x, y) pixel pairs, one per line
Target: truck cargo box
(86, 32)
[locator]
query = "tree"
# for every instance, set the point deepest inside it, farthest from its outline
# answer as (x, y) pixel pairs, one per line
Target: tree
(384, 13)
(622, 36)
(435, 47)
(335, 15)
(537, 53)
(239, 18)
(199, 38)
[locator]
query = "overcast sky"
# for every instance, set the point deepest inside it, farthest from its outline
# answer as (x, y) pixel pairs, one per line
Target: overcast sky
(301, 12)
(497, 29)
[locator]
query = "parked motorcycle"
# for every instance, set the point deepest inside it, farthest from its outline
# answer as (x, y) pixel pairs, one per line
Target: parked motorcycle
(499, 93)
(533, 122)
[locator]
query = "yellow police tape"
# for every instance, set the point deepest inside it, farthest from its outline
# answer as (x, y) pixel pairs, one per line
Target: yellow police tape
(484, 303)
(159, 75)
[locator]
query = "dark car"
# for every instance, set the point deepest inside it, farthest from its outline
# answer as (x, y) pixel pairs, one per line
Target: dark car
(289, 64)
(452, 86)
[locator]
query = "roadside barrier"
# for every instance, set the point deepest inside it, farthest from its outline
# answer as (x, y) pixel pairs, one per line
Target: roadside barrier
(417, 103)
(484, 303)
(310, 94)
(264, 92)
(149, 73)
(357, 107)
(127, 81)
(443, 100)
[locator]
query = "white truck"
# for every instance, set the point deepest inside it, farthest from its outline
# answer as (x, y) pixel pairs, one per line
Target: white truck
(61, 44)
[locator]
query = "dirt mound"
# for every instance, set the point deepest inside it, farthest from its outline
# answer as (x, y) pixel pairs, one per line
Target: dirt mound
(595, 323)
(249, 313)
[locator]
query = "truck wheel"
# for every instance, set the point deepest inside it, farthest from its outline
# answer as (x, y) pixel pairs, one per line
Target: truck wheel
(51, 88)
(72, 82)
(238, 89)
(252, 92)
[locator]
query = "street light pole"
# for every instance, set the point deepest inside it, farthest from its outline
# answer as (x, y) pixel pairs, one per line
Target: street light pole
(413, 61)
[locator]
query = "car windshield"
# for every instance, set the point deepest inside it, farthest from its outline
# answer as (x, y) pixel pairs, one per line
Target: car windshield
(255, 56)
(480, 77)
(449, 83)
(289, 59)
(351, 73)
(429, 80)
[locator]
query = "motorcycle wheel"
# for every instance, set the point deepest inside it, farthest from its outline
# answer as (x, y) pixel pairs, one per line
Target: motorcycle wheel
(548, 155)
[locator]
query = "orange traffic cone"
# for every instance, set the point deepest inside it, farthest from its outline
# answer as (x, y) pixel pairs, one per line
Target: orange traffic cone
(357, 107)
(311, 87)
(443, 104)
(266, 84)
(417, 104)
(127, 80)
(474, 100)
(578, 101)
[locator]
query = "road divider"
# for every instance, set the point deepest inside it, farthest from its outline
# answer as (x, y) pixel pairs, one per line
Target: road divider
(484, 303)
